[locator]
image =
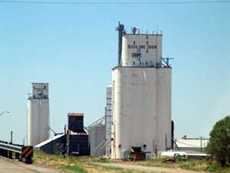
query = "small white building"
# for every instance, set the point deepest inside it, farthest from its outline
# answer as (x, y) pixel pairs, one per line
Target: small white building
(141, 95)
(38, 114)
(191, 145)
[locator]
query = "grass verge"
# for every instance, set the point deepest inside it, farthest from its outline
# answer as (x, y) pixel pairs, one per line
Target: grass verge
(195, 165)
(76, 164)
(86, 164)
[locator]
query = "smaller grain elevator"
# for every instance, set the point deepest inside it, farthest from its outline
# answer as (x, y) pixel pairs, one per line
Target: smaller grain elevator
(38, 114)
(77, 140)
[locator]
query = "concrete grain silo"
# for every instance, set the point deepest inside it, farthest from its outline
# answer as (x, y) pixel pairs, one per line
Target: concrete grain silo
(141, 95)
(38, 114)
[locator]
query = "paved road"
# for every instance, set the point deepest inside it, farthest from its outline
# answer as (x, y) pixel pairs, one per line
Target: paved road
(10, 166)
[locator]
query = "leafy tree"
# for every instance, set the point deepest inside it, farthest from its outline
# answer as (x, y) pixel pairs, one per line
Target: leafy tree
(219, 142)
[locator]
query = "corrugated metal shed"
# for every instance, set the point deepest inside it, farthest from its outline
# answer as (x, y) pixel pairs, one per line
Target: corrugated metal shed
(97, 140)
(97, 137)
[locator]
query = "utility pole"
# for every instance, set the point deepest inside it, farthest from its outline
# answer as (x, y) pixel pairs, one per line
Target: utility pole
(11, 136)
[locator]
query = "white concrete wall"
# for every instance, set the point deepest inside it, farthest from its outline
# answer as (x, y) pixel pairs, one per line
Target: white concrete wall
(164, 107)
(38, 121)
(148, 45)
(141, 109)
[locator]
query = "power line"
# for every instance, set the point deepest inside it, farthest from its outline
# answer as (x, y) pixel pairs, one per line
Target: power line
(114, 2)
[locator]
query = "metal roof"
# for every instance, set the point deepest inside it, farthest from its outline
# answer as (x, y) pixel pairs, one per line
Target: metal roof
(191, 143)
(48, 141)
(75, 114)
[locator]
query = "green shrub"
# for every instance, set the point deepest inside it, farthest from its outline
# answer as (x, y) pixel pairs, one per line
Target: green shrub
(219, 143)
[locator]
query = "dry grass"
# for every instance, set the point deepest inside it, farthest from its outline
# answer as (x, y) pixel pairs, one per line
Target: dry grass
(76, 164)
(195, 165)
(86, 164)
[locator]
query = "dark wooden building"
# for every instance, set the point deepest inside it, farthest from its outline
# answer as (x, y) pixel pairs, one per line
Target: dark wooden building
(74, 141)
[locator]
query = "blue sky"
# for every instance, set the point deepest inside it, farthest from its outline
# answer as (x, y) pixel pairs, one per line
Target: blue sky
(74, 47)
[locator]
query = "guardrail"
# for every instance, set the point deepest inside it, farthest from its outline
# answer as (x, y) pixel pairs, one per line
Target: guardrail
(15, 151)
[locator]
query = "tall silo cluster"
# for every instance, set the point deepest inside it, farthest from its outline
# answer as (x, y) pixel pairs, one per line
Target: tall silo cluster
(141, 95)
(138, 104)
(38, 114)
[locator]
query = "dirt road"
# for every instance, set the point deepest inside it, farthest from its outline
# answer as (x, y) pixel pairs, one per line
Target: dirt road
(10, 166)
(146, 169)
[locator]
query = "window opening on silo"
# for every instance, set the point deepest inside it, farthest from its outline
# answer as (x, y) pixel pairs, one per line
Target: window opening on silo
(133, 62)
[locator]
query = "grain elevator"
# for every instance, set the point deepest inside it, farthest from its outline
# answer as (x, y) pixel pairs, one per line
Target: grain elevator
(38, 114)
(141, 95)
(77, 137)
